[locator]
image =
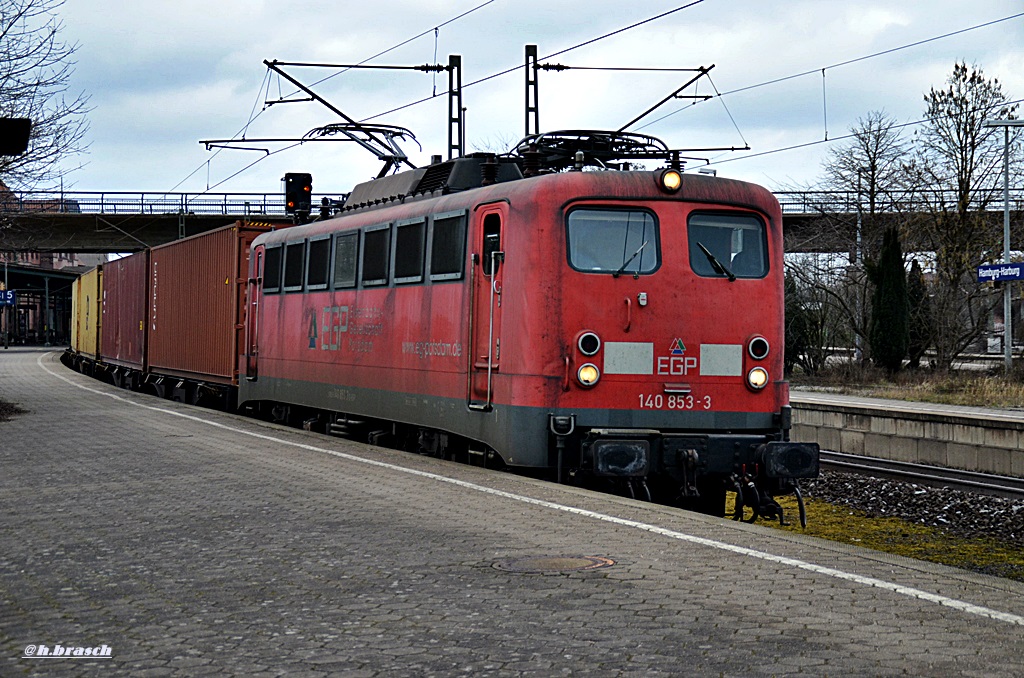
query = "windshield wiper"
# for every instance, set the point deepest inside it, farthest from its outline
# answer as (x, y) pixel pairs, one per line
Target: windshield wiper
(628, 261)
(715, 263)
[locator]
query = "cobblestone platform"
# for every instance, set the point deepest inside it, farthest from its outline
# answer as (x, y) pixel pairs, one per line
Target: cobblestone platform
(189, 542)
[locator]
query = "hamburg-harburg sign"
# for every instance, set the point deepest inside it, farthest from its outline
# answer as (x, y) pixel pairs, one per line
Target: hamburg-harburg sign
(997, 272)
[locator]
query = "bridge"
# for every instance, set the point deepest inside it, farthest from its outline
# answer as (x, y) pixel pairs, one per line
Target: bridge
(121, 221)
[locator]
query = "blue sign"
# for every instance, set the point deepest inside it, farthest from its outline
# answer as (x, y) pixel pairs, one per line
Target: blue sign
(8, 298)
(998, 272)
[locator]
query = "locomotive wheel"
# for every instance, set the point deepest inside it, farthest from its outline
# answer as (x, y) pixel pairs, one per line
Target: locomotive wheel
(711, 501)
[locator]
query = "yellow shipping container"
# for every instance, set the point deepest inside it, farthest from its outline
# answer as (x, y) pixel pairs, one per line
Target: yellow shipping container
(86, 306)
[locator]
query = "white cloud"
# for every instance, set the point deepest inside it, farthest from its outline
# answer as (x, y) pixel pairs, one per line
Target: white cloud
(164, 75)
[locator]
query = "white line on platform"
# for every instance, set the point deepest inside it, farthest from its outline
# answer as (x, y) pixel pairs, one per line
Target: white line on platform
(969, 608)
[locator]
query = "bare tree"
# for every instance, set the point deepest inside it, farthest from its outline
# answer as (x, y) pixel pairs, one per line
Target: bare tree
(870, 163)
(959, 159)
(35, 70)
(867, 181)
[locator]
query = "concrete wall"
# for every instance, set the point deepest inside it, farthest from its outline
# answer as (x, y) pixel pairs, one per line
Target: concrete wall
(963, 440)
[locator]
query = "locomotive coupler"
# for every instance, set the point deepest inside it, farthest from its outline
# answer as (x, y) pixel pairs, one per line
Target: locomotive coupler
(758, 493)
(562, 427)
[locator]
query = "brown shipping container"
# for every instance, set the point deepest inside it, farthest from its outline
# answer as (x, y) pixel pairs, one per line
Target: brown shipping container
(85, 312)
(124, 310)
(196, 306)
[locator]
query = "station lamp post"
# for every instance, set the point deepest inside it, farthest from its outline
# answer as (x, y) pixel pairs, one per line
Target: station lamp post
(1007, 309)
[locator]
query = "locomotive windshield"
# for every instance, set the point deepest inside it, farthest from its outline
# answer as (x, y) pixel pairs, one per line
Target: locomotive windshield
(727, 245)
(613, 241)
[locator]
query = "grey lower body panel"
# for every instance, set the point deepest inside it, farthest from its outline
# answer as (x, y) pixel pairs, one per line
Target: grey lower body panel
(520, 434)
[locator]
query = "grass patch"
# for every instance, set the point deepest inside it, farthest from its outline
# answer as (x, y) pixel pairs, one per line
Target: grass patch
(892, 535)
(962, 387)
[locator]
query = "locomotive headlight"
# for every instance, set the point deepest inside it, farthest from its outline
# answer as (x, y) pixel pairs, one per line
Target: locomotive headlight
(758, 348)
(589, 343)
(588, 374)
(757, 378)
(670, 180)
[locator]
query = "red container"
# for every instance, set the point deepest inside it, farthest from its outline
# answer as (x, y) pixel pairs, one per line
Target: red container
(124, 311)
(196, 303)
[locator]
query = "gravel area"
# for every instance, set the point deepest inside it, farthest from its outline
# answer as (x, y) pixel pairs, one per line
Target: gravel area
(961, 513)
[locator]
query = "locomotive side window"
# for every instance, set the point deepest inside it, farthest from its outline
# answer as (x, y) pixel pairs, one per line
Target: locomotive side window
(346, 259)
(319, 262)
(492, 242)
(409, 238)
(294, 260)
(272, 270)
(613, 241)
(447, 246)
(737, 243)
(376, 253)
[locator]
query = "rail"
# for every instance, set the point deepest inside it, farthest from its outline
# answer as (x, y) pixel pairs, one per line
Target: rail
(242, 204)
(932, 476)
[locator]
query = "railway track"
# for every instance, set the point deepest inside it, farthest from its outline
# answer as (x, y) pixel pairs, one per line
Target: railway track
(932, 476)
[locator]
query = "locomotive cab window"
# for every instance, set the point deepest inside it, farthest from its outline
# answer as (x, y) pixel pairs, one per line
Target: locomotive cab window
(346, 260)
(318, 263)
(613, 241)
(447, 246)
(376, 255)
(294, 265)
(272, 270)
(409, 238)
(724, 244)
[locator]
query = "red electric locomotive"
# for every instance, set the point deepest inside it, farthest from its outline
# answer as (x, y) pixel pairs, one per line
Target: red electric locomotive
(617, 325)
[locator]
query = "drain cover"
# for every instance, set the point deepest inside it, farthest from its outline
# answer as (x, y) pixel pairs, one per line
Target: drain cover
(542, 564)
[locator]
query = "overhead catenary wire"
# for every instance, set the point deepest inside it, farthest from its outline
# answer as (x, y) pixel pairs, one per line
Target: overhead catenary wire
(722, 95)
(718, 94)
(851, 135)
(476, 82)
(839, 64)
(516, 68)
(267, 84)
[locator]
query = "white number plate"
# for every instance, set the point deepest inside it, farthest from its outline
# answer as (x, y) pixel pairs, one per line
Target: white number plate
(658, 401)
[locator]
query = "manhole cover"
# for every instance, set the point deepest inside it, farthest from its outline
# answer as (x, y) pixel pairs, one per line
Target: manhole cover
(542, 564)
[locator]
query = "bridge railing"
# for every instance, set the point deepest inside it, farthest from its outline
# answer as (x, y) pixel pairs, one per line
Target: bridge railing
(243, 204)
(847, 202)
(126, 202)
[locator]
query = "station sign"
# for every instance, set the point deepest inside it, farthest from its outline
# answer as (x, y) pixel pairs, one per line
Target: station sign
(1000, 272)
(8, 298)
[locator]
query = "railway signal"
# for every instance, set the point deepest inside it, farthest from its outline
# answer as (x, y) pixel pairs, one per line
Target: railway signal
(298, 191)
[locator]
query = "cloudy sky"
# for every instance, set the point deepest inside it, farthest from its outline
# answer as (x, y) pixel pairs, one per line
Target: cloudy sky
(164, 75)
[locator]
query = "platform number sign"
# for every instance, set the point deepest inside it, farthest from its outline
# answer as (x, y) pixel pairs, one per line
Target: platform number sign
(8, 297)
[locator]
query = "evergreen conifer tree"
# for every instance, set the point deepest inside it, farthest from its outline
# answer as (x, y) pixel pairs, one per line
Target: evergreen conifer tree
(889, 330)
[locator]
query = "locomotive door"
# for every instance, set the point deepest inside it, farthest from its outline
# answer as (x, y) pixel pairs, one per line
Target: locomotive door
(252, 317)
(485, 305)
